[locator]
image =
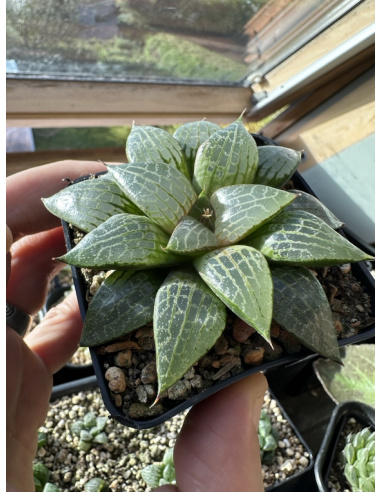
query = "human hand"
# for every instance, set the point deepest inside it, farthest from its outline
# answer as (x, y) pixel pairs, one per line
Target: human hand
(217, 449)
(37, 237)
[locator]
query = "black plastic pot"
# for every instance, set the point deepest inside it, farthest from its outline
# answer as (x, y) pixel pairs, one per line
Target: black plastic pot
(360, 271)
(303, 480)
(70, 372)
(363, 414)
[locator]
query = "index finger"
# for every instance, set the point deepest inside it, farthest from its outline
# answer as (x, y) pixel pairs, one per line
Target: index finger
(26, 214)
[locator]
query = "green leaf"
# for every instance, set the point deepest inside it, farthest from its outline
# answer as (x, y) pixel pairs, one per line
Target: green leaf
(160, 191)
(123, 241)
(89, 203)
(302, 239)
(240, 277)
(41, 473)
(101, 438)
(168, 457)
(351, 475)
(90, 420)
(302, 308)
(188, 320)
(355, 380)
(276, 165)
(96, 485)
(366, 484)
(77, 427)
(50, 487)
(349, 453)
(309, 203)
(152, 144)
(190, 236)
(129, 297)
(151, 474)
(169, 474)
(229, 156)
(41, 439)
(191, 135)
(241, 209)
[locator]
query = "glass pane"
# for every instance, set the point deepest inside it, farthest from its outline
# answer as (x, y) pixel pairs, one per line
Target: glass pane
(212, 41)
(176, 40)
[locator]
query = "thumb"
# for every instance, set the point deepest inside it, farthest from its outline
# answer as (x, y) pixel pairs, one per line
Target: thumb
(217, 449)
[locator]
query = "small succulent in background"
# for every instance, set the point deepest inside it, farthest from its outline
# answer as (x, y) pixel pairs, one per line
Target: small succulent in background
(160, 473)
(358, 458)
(90, 431)
(192, 226)
(41, 438)
(268, 438)
(41, 476)
(97, 485)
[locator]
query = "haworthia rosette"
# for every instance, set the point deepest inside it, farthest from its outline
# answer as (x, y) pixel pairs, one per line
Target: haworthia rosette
(276, 165)
(302, 239)
(229, 156)
(124, 241)
(188, 320)
(240, 277)
(87, 204)
(191, 236)
(123, 303)
(302, 308)
(191, 135)
(241, 209)
(162, 192)
(309, 203)
(152, 144)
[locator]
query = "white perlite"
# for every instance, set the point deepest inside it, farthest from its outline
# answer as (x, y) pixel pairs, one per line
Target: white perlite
(128, 450)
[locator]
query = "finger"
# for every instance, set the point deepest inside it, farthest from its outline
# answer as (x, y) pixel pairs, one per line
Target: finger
(32, 268)
(56, 338)
(218, 449)
(26, 213)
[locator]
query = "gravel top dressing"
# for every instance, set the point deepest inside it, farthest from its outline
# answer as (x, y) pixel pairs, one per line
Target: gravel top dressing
(128, 451)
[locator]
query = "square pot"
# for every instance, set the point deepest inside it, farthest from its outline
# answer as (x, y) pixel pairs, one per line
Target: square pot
(359, 270)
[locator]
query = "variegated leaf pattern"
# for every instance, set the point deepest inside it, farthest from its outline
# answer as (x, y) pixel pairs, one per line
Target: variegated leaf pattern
(190, 236)
(188, 320)
(123, 303)
(162, 192)
(87, 204)
(276, 165)
(241, 209)
(124, 241)
(240, 277)
(302, 239)
(229, 156)
(152, 144)
(191, 135)
(309, 203)
(302, 308)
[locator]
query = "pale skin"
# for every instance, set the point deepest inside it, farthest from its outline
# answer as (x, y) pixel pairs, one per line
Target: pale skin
(217, 449)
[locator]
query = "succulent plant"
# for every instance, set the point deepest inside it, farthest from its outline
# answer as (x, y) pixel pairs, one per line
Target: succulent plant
(187, 239)
(41, 476)
(160, 473)
(90, 431)
(358, 458)
(268, 438)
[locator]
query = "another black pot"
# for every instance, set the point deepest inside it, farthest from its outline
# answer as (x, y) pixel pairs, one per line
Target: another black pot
(70, 372)
(303, 480)
(363, 414)
(360, 271)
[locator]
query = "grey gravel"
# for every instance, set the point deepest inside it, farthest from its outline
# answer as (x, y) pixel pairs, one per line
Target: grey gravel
(128, 450)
